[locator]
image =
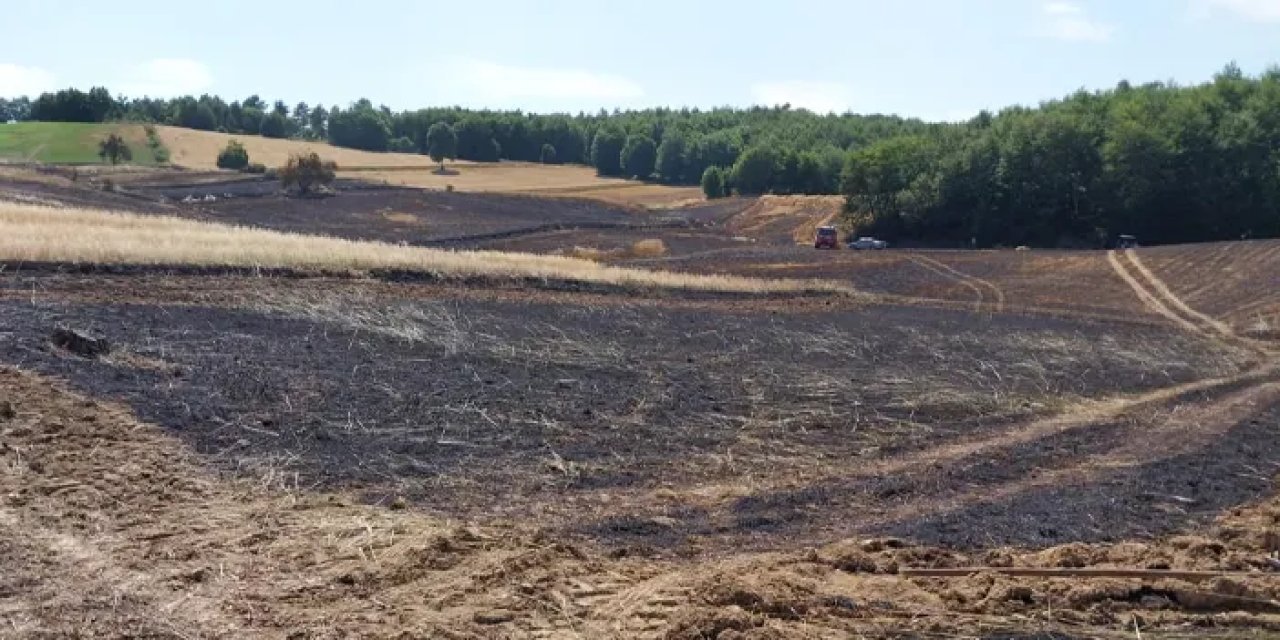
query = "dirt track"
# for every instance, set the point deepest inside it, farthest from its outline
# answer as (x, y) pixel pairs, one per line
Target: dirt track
(262, 456)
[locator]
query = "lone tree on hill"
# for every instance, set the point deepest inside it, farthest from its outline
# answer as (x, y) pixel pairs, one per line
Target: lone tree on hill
(306, 171)
(442, 143)
(113, 149)
(233, 156)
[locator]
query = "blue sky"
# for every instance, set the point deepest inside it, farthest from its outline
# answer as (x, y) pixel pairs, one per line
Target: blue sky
(936, 59)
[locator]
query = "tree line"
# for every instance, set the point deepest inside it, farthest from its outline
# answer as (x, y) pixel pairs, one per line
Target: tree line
(1165, 162)
(675, 146)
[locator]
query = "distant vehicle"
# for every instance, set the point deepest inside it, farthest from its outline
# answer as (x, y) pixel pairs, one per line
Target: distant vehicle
(1126, 242)
(867, 242)
(826, 238)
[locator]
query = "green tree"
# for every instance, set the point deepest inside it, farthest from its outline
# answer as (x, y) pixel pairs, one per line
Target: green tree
(113, 149)
(402, 145)
(316, 121)
(306, 172)
(548, 154)
(671, 156)
(273, 125)
(442, 143)
(233, 156)
(359, 128)
(638, 156)
(606, 151)
(754, 171)
(475, 140)
(713, 183)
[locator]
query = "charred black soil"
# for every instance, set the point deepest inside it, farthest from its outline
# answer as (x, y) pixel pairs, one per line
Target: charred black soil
(574, 413)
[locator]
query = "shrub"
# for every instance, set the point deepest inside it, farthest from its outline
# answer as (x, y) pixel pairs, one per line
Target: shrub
(158, 150)
(650, 248)
(255, 167)
(548, 155)
(402, 145)
(233, 156)
(713, 182)
(306, 172)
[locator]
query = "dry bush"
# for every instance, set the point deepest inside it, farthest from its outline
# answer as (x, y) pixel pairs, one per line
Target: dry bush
(651, 248)
(32, 233)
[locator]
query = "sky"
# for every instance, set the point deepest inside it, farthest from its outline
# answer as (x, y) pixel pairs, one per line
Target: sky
(933, 59)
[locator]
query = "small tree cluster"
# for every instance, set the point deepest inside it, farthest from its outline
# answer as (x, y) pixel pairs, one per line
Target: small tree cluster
(306, 172)
(233, 156)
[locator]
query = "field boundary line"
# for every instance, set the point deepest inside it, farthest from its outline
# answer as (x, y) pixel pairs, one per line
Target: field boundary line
(1172, 298)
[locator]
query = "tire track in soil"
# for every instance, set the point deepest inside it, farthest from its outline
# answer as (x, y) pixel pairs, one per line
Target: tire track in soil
(977, 291)
(987, 284)
(1178, 303)
(1148, 299)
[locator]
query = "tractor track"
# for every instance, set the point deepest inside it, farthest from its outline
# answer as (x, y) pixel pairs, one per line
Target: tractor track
(1157, 297)
(995, 298)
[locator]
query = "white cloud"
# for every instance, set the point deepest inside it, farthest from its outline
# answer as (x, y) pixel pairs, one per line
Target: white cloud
(166, 78)
(1070, 22)
(481, 82)
(1254, 10)
(17, 80)
(819, 97)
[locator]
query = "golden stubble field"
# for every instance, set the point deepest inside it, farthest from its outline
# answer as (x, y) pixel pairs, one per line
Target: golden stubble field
(199, 150)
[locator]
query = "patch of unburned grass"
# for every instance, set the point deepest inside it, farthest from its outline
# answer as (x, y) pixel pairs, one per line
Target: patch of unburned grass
(69, 142)
(650, 248)
(33, 233)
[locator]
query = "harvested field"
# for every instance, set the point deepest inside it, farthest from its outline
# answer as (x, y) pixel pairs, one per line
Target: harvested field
(1058, 444)
(199, 150)
(562, 181)
(196, 149)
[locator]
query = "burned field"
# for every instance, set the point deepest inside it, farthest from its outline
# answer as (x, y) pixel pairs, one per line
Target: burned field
(1085, 440)
(754, 424)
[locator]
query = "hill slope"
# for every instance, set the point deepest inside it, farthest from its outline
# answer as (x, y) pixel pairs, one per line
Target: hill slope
(68, 142)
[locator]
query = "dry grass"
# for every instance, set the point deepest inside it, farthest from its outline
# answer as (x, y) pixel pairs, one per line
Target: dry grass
(650, 248)
(562, 181)
(199, 150)
(33, 233)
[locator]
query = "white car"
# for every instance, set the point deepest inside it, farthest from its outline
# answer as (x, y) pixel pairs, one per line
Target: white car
(867, 242)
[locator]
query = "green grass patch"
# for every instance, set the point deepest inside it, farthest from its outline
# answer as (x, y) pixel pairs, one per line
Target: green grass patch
(71, 142)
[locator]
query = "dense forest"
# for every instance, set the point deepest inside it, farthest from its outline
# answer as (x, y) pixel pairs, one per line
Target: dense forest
(1165, 162)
